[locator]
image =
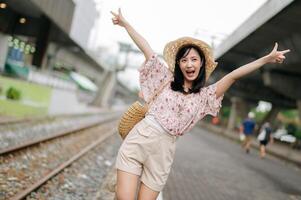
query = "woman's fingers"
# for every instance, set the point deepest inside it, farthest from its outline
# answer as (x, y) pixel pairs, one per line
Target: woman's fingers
(275, 47)
(285, 51)
(114, 14)
(117, 17)
(115, 21)
(279, 60)
(278, 56)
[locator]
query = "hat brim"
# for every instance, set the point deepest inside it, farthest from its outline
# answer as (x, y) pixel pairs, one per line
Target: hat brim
(172, 48)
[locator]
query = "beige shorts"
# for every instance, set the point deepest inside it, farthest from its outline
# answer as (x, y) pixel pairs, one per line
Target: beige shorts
(147, 151)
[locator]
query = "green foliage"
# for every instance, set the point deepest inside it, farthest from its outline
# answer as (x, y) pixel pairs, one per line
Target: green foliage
(13, 93)
(291, 128)
(291, 114)
(298, 134)
(259, 116)
(225, 111)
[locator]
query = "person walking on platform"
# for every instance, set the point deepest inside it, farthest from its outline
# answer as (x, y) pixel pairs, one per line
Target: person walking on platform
(247, 128)
(264, 137)
(147, 152)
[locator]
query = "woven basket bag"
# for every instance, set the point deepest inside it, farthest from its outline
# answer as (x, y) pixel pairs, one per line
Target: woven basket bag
(135, 113)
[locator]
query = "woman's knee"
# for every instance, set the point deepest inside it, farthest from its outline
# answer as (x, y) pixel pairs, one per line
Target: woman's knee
(126, 185)
(146, 193)
(124, 195)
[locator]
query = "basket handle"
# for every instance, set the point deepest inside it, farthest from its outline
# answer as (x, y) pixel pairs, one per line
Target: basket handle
(157, 93)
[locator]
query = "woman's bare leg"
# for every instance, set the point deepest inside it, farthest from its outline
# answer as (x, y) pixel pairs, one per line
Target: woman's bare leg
(262, 151)
(145, 193)
(126, 187)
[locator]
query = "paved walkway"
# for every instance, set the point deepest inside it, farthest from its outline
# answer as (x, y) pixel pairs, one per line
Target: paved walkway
(208, 167)
(279, 150)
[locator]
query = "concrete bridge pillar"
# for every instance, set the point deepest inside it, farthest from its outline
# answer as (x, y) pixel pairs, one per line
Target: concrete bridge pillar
(233, 113)
(106, 89)
(3, 49)
(299, 108)
(243, 108)
(42, 41)
(239, 108)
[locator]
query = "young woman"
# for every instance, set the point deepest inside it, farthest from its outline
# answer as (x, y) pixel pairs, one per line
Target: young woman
(148, 150)
(266, 138)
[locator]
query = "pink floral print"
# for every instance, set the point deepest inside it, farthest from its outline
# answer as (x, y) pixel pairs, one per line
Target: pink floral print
(176, 112)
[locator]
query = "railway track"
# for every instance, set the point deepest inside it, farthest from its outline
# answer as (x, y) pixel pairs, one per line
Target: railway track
(23, 134)
(27, 166)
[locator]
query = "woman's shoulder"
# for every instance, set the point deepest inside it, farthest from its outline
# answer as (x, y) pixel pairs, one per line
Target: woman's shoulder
(209, 89)
(155, 62)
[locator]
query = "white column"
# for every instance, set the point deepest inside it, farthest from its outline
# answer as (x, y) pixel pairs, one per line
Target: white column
(106, 90)
(233, 113)
(3, 49)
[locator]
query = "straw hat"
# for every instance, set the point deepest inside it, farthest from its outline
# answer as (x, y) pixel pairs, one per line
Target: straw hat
(172, 48)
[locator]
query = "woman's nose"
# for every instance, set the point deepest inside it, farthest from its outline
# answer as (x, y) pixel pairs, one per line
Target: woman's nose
(189, 63)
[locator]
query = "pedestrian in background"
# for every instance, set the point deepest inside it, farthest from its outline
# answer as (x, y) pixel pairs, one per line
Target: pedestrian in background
(148, 150)
(264, 137)
(247, 128)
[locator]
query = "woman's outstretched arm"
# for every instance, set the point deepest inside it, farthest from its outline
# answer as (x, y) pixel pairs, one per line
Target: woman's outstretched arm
(142, 44)
(274, 57)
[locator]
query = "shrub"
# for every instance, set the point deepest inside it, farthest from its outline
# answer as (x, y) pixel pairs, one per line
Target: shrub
(13, 93)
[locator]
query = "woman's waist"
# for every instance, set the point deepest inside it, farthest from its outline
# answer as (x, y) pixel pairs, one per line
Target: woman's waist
(151, 120)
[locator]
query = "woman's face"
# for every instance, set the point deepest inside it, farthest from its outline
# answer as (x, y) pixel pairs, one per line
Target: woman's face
(190, 65)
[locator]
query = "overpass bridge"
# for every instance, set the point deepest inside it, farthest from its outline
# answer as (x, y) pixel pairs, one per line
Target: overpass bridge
(276, 21)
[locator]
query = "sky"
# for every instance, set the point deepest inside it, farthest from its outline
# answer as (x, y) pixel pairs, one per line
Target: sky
(160, 21)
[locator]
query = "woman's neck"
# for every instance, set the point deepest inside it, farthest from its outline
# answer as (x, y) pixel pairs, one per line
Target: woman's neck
(187, 85)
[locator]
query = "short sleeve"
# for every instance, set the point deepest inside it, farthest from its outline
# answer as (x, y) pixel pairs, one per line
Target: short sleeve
(212, 103)
(152, 74)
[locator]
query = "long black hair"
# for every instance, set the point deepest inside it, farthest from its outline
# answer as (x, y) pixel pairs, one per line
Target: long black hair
(199, 82)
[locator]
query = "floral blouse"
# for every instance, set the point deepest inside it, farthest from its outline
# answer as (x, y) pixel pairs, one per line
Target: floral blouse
(175, 112)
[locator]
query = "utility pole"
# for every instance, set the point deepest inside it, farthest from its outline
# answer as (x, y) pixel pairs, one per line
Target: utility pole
(213, 37)
(126, 49)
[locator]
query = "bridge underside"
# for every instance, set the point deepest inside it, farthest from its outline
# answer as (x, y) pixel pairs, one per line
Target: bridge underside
(277, 84)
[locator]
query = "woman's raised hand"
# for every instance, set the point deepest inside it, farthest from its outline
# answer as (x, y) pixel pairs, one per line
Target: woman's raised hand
(277, 56)
(118, 19)
(141, 43)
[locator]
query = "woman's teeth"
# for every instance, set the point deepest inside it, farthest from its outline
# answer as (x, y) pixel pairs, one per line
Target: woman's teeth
(190, 73)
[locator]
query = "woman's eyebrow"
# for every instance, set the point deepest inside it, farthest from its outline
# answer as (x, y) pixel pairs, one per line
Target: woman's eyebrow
(195, 57)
